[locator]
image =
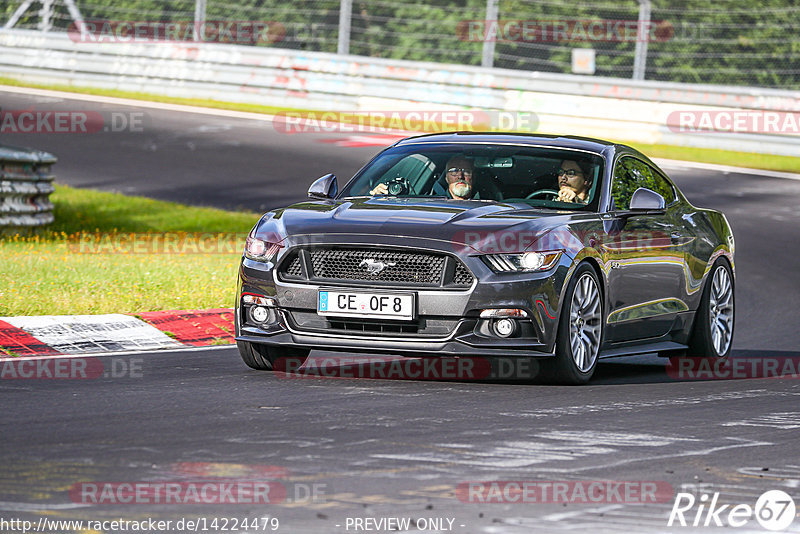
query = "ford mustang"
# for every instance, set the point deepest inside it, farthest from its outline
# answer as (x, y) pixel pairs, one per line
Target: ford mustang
(563, 249)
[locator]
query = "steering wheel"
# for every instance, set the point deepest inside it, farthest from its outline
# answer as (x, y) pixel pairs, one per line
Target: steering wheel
(542, 192)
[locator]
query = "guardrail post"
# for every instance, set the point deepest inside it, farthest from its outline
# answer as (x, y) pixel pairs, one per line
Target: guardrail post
(487, 57)
(199, 18)
(345, 16)
(25, 187)
(642, 35)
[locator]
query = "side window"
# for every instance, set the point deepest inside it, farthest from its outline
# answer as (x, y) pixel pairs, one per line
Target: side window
(624, 184)
(630, 174)
(662, 186)
(416, 168)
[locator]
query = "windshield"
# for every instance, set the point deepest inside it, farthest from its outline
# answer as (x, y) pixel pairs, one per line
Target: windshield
(542, 177)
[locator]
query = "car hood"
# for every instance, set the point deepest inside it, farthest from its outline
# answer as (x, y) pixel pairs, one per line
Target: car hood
(477, 224)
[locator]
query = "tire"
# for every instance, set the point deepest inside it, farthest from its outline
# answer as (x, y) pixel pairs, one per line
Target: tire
(712, 333)
(264, 357)
(580, 329)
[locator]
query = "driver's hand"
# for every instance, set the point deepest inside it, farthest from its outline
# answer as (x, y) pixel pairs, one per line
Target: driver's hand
(380, 189)
(566, 194)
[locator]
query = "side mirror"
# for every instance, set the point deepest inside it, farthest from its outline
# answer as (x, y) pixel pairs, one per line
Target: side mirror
(324, 188)
(646, 199)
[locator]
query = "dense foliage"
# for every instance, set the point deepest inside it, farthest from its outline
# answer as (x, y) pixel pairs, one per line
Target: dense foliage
(726, 42)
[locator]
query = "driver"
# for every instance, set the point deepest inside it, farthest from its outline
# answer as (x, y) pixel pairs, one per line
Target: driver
(460, 171)
(574, 181)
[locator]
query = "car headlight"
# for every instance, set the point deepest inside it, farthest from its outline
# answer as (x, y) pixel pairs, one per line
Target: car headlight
(524, 262)
(260, 250)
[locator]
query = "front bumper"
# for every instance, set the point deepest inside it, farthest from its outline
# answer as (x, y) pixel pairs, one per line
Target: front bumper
(447, 321)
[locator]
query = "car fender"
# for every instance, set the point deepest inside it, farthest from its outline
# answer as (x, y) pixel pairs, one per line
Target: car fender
(574, 252)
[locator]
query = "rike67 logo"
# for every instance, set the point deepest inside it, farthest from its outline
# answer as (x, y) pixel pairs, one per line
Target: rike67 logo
(774, 510)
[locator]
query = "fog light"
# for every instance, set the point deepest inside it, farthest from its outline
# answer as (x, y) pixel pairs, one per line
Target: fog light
(252, 298)
(503, 312)
(505, 327)
(259, 314)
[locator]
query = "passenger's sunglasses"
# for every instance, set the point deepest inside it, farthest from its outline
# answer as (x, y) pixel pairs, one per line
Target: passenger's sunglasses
(571, 173)
(455, 171)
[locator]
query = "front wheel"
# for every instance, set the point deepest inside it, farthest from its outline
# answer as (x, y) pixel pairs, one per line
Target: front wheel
(264, 357)
(712, 334)
(580, 330)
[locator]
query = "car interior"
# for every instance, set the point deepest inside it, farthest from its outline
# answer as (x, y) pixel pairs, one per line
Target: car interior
(513, 177)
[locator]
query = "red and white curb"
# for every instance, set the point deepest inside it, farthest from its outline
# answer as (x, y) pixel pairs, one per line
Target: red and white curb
(48, 335)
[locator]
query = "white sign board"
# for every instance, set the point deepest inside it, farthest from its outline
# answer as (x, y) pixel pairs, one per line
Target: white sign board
(583, 60)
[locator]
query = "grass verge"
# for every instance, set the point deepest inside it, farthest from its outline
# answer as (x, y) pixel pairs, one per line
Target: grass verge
(702, 155)
(126, 264)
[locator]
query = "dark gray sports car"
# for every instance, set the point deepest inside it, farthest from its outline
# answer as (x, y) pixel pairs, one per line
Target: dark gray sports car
(468, 244)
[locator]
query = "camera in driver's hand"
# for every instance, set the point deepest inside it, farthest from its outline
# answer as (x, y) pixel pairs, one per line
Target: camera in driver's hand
(397, 186)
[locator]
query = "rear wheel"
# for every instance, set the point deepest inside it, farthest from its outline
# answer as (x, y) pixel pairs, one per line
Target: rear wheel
(580, 330)
(264, 357)
(712, 334)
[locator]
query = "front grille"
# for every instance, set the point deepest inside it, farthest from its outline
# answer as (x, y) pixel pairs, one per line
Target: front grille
(294, 268)
(311, 322)
(375, 267)
(354, 264)
(373, 327)
(462, 277)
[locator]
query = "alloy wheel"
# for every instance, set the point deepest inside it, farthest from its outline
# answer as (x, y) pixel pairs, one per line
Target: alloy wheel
(720, 310)
(585, 323)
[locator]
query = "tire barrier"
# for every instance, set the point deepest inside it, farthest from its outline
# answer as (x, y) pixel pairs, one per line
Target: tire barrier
(25, 186)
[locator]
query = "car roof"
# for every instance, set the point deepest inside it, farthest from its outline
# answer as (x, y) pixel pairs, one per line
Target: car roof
(597, 146)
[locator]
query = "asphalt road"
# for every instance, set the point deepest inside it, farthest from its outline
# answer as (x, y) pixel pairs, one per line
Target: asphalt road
(190, 158)
(376, 448)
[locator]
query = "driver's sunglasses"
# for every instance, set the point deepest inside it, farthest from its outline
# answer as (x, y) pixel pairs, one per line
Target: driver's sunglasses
(455, 171)
(571, 173)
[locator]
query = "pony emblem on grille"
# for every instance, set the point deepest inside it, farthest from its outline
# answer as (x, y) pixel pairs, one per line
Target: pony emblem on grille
(375, 267)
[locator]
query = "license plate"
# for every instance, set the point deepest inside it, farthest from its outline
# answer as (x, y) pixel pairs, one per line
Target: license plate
(366, 305)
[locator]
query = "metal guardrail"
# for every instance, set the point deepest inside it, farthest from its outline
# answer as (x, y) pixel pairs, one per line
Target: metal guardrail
(580, 105)
(25, 187)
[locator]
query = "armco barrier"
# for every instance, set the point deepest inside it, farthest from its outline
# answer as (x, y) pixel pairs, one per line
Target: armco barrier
(579, 105)
(25, 187)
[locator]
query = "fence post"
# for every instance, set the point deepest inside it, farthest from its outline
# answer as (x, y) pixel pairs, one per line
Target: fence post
(642, 35)
(199, 18)
(46, 16)
(47, 12)
(487, 58)
(345, 16)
